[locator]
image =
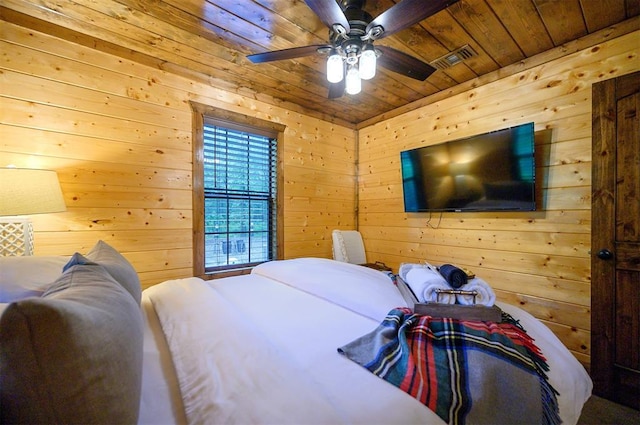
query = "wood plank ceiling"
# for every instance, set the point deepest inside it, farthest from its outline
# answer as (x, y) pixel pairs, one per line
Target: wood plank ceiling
(209, 40)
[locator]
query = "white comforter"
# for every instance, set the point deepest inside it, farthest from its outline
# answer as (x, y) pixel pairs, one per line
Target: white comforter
(261, 348)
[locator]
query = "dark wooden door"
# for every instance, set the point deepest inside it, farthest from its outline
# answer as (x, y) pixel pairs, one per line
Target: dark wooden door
(615, 242)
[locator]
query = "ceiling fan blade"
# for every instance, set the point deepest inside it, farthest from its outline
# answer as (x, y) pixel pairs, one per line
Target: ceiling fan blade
(295, 52)
(329, 12)
(407, 13)
(336, 90)
(402, 63)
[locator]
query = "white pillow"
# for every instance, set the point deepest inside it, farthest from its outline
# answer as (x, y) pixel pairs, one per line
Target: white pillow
(363, 290)
(22, 277)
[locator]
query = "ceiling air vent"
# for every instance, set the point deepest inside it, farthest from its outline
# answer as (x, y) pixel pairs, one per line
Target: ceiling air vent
(447, 61)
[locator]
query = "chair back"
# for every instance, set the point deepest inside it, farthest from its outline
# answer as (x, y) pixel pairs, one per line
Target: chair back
(348, 246)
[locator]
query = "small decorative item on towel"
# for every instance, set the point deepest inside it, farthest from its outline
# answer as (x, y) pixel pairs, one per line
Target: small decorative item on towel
(455, 276)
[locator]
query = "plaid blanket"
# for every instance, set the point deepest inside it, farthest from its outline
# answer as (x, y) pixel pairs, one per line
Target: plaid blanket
(466, 372)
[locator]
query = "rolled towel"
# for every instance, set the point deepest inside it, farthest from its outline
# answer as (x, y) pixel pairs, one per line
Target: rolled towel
(424, 281)
(485, 297)
(405, 267)
(455, 276)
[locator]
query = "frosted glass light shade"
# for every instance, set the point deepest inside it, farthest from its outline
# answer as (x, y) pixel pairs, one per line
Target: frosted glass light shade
(353, 85)
(367, 64)
(335, 68)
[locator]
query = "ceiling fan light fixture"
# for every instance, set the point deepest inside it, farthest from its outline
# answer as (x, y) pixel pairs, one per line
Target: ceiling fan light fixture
(335, 67)
(353, 84)
(352, 31)
(367, 68)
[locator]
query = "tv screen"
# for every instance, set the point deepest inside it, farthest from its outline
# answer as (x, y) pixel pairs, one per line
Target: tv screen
(488, 172)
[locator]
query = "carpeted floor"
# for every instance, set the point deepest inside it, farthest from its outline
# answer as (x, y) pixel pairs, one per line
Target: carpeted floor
(598, 411)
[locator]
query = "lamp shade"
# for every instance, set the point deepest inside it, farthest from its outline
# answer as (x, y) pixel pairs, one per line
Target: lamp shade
(26, 191)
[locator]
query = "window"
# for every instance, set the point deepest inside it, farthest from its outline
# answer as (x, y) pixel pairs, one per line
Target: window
(236, 219)
(239, 196)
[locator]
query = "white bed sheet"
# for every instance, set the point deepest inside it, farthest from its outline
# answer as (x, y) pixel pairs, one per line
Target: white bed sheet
(287, 308)
(160, 401)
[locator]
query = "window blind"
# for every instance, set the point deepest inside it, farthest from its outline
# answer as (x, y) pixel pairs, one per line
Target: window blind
(239, 190)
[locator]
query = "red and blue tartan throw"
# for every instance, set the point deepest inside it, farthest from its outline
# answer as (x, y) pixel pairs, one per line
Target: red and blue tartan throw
(465, 371)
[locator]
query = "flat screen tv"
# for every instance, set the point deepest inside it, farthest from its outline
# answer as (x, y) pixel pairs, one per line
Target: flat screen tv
(489, 172)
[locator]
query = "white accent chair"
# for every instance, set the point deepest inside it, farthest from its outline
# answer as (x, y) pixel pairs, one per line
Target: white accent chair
(348, 247)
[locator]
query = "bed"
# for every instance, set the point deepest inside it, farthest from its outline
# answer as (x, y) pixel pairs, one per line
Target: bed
(256, 348)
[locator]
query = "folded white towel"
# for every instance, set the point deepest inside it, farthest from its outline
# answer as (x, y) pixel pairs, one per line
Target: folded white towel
(424, 281)
(485, 297)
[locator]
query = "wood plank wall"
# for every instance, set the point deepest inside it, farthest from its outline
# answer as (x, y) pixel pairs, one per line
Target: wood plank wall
(538, 260)
(119, 135)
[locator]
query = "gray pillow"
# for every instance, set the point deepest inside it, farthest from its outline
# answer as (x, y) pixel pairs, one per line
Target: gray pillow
(118, 267)
(74, 355)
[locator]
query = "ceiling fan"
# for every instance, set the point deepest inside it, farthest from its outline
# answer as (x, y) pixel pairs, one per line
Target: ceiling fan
(352, 32)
